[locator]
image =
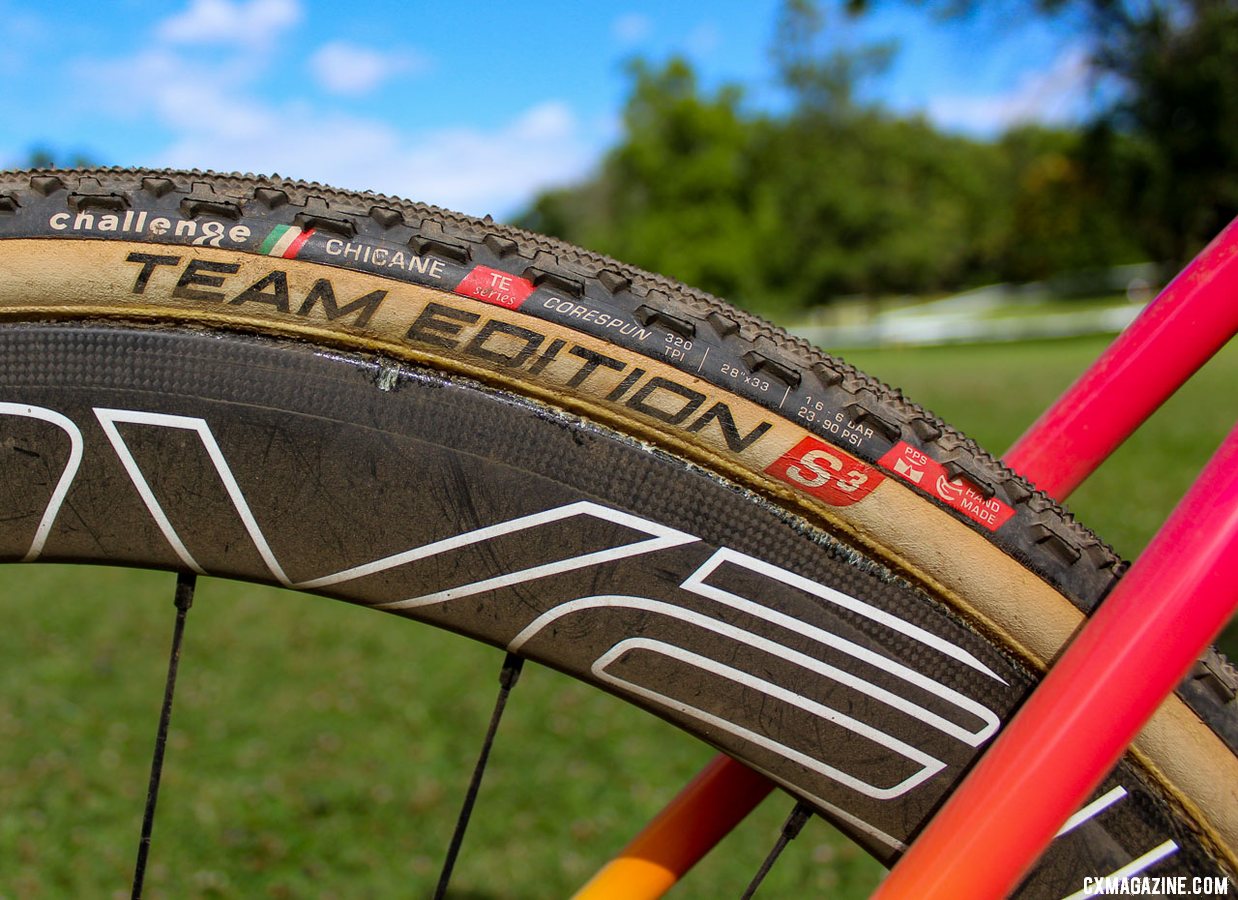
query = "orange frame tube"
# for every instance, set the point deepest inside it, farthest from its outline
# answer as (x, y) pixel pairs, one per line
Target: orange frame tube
(701, 815)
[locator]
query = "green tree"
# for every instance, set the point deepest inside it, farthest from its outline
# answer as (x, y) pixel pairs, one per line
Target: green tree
(1172, 129)
(43, 157)
(1179, 62)
(836, 195)
(1066, 205)
(871, 203)
(784, 212)
(675, 194)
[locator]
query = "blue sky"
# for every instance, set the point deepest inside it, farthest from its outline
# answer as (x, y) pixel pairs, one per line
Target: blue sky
(471, 106)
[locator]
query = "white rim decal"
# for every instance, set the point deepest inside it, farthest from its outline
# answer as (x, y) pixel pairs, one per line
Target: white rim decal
(66, 477)
(696, 583)
(902, 704)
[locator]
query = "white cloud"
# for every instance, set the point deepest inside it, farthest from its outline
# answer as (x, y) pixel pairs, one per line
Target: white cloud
(26, 38)
(230, 21)
(344, 68)
(1057, 94)
(496, 170)
(217, 122)
(209, 106)
(176, 89)
(469, 169)
(704, 39)
(22, 26)
(631, 28)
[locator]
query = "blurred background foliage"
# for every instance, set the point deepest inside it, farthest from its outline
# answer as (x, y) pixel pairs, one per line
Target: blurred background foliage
(833, 195)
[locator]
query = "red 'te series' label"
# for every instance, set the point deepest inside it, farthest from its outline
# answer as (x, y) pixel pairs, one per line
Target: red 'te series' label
(492, 286)
(930, 476)
(826, 472)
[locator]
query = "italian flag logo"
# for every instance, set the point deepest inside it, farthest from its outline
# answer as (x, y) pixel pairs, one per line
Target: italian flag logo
(285, 241)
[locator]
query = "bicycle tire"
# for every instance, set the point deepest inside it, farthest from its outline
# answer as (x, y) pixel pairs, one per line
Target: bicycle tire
(886, 591)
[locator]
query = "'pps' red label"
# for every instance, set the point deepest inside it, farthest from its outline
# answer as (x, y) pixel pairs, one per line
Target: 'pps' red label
(492, 286)
(826, 472)
(930, 476)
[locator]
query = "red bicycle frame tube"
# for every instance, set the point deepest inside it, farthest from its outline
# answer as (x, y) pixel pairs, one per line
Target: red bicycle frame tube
(1132, 653)
(1094, 700)
(1191, 319)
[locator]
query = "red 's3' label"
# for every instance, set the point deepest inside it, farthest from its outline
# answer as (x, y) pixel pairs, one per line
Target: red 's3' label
(826, 472)
(930, 476)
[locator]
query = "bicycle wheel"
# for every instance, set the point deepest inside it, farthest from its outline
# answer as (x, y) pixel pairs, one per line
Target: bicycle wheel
(593, 467)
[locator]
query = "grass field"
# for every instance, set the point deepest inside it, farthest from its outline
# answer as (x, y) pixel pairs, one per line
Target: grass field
(319, 750)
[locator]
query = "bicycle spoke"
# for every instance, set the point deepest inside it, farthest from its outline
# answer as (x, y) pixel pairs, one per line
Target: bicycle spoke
(183, 600)
(790, 831)
(512, 665)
